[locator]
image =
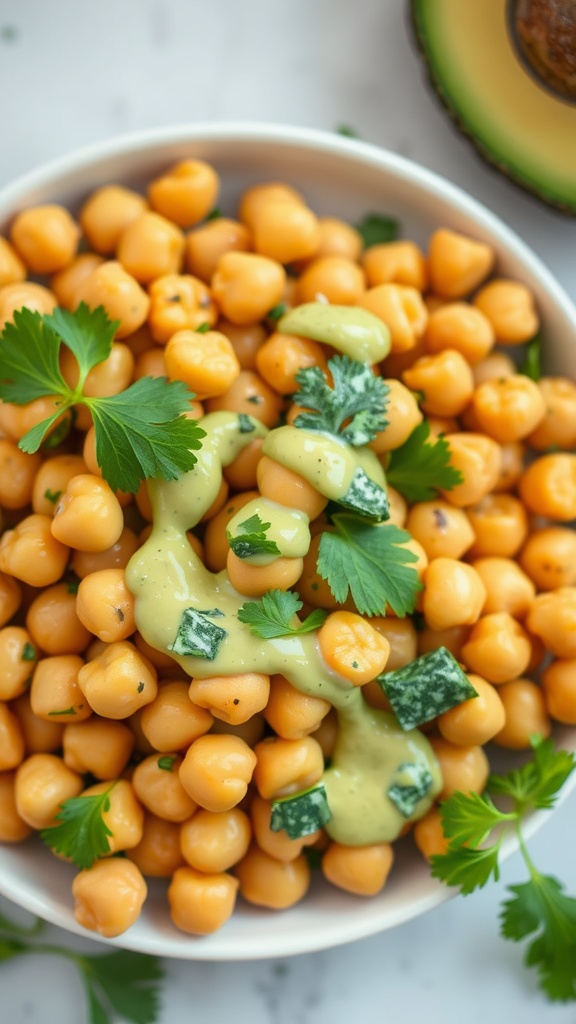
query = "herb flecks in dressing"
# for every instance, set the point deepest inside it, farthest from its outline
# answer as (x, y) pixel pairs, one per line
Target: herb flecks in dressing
(167, 578)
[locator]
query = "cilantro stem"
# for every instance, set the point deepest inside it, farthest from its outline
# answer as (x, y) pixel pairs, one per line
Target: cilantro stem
(532, 869)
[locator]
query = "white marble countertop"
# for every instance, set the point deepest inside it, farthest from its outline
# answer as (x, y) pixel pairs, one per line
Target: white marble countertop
(73, 72)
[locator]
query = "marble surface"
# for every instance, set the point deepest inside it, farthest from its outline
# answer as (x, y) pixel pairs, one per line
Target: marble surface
(73, 72)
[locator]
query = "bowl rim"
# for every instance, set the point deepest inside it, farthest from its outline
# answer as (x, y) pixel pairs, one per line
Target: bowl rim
(435, 186)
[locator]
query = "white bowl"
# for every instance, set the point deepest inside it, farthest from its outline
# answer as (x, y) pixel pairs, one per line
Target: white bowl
(344, 178)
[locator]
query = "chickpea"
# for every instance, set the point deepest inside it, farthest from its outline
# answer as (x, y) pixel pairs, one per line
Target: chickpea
(246, 340)
(31, 553)
(216, 771)
(549, 557)
(287, 766)
(43, 783)
(10, 598)
(51, 481)
(206, 362)
(171, 721)
(509, 306)
(474, 721)
(214, 842)
(285, 231)
(24, 293)
(453, 638)
(478, 459)
(18, 658)
(124, 816)
(402, 310)
(282, 356)
(558, 683)
(66, 283)
(255, 580)
(45, 237)
(157, 785)
(13, 828)
(17, 473)
(493, 367)
(498, 648)
(12, 747)
(246, 286)
(178, 302)
(201, 904)
(119, 292)
(457, 264)
(291, 713)
(334, 279)
(500, 526)
(106, 213)
(55, 694)
(186, 193)
(53, 622)
(337, 238)
(552, 617)
(429, 834)
(460, 326)
(557, 428)
(548, 486)
(272, 883)
(207, 243)
(442, 529)
(512, 457)
(119, 681)
(403, 415)
(105, 605)
(233, 699)
(446, 380)
(275, 479)
(12, 269)
(362, 870)
(524, 706)
(254, 198)
(150, 247)
(508, 588)
(97, 746)
(116, 556)
(40, 737)
(399, 262)
(508, 409)
(158, 853)
(454, 594)
(402, 638)
(463, 769)
(108, 897)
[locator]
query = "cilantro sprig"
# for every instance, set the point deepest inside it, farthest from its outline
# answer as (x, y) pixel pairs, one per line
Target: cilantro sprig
(420, 468)
(118, 984)
(250, 538)
(538, 909)
(81, 833)
(370, 562)
(140, 433)
(273, 615)
(353, 409)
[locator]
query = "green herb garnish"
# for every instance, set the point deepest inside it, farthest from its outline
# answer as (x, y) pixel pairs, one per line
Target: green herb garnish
(347, 131)
(166, 763)
(251, 539)
(301, 814)
(197, 636)
(376, 228)
(118, 984)
(82, 834)
(277, 312)
(203, 328)
(369, 562)
(353, 410)
(72, 710)
(539, 908)
(273, 615)
(420, 468)
(29, 652)
(140, 433)
(52, 496)
(365, 496)
(532, 363)
(426, 687)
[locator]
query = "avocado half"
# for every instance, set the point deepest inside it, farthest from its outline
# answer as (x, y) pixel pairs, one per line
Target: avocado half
(506, 73)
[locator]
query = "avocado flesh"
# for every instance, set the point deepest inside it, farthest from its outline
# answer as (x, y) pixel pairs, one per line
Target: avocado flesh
(515, 123)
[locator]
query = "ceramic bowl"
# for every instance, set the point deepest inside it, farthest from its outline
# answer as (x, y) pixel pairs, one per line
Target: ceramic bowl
(345, 178)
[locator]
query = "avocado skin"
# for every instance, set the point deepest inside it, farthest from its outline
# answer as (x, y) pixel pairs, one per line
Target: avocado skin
(418, 33)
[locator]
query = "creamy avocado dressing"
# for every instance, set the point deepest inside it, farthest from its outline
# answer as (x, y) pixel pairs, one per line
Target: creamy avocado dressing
(168, 579)
(288, 529)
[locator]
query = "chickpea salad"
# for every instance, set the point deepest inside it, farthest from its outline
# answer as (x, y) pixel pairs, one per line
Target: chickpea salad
(286, 544)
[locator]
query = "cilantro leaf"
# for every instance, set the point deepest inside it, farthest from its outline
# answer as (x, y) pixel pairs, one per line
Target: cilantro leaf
(369, 562)
(141, 432)
(29, 366)
(470, 817)
(536, 783)
(87, 333)
(541, 907)
(357, 399)
(252, 540)
(82, 834)
(469, 868)
(532, 363)
(140, 435)
(272, 615)
(128, 983)
(418, 469)
(376, 228)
